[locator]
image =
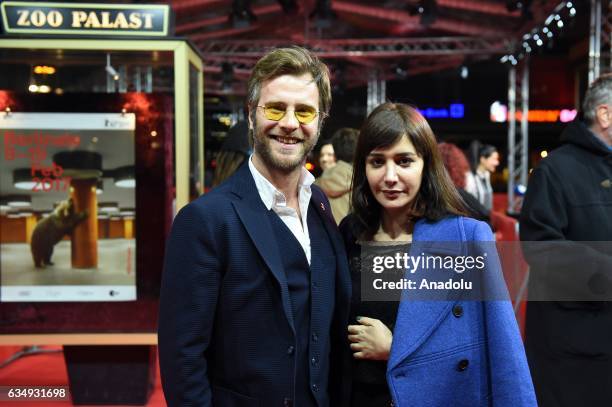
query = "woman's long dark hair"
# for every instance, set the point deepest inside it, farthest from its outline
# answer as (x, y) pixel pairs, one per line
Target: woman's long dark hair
(386, 125)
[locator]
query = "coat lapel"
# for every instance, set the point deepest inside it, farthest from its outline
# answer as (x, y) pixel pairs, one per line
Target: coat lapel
(252, 213)
(417, 319)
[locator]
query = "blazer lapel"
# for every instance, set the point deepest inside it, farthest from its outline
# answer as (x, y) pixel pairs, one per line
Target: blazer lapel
(343, 283)
(252, 213)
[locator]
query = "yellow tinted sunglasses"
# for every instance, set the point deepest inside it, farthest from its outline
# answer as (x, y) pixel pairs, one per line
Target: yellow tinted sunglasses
(304, 114)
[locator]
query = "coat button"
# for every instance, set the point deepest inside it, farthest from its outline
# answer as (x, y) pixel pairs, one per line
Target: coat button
(290, 350)
(463, 365)
(457, 311)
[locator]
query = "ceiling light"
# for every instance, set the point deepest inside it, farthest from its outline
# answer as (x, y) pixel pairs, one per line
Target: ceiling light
(127, 212)
(124, 177)
(108, 207)
(109, 68)
(23, 179)
(19, 201)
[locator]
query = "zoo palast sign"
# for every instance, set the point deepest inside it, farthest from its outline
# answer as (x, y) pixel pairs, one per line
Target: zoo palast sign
(76, 19)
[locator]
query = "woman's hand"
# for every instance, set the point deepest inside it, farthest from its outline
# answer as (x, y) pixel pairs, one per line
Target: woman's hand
(371, 339)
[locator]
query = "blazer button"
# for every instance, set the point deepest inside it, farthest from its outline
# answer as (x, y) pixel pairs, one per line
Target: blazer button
(463, 365)
(290, 350)
(457, 311)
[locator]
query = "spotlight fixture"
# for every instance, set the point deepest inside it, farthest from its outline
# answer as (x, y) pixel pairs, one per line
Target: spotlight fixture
(109, 68)
(464, 72)
(241, 15)
(323, 14)
(100, 187)
(288, 6)
(523, 5)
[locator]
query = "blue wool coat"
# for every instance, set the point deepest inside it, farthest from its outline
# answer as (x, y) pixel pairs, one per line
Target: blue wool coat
(458, 352)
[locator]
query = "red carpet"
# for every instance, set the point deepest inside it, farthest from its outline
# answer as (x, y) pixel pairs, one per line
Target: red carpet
(48, 370)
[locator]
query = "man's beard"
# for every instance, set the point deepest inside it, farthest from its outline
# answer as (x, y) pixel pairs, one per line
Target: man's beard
(262, 146)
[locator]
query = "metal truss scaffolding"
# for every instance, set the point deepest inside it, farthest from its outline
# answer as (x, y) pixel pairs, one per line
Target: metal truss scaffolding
(377, 89)
(518, 136)
(367, 48)
(600, 39)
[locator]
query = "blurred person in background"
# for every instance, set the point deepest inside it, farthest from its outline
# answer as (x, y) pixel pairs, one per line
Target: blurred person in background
(336, 181)
(458, 168)
(327, 156)
(484, 161)
(234, 151)
(566, 215)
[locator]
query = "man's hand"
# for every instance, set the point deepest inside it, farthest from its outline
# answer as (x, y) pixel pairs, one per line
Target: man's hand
(371, 339)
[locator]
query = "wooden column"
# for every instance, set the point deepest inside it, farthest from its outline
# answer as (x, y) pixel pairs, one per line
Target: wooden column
(85, 236)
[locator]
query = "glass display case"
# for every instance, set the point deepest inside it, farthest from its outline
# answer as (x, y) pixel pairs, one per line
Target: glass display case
(102, 141)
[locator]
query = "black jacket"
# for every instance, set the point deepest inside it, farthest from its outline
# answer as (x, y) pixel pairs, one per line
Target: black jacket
(568, 211)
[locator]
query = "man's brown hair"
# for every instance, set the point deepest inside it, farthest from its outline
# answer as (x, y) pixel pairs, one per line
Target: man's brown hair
(290, 61)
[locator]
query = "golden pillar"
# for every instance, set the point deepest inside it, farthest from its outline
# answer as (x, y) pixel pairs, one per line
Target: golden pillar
(85, 236)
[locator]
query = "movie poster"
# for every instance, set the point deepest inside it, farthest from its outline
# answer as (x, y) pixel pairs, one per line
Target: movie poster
(67, 207)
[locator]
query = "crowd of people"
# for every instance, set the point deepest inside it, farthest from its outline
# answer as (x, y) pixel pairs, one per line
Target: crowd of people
(262, 300)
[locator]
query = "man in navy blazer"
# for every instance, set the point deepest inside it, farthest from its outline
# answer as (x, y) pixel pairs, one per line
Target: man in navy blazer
(255, 291)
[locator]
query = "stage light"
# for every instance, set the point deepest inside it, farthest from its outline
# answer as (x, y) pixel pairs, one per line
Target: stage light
(289, 6)
(241, 15)
(323, 14)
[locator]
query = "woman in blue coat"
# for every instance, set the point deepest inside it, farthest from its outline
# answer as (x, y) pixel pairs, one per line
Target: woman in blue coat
(449, 347)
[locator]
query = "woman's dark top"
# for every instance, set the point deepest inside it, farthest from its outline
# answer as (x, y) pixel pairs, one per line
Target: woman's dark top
(368, 377)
